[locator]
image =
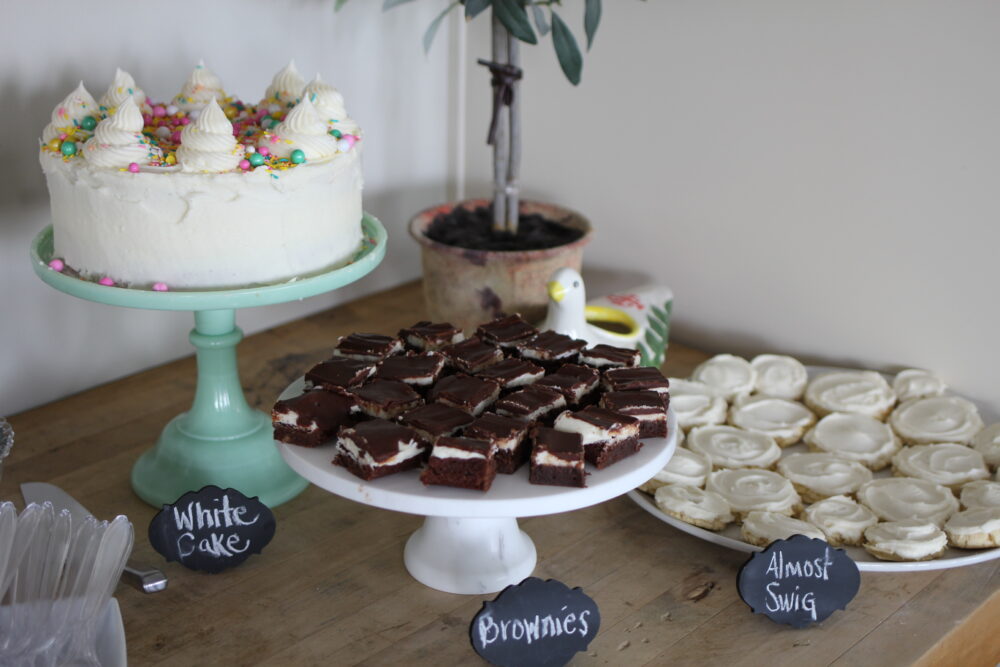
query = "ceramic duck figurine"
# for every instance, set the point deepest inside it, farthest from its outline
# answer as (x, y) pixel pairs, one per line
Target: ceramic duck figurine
(642, 316)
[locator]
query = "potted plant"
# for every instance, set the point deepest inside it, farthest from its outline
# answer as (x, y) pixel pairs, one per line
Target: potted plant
(482, 257)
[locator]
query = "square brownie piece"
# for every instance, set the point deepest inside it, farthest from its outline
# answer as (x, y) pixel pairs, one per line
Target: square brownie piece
(425, 335)
(649, 407)
(472, 355)
(463, 462)
(419, 370)
(386, 399)
(550, 347)
(642, 378)
(471, 394)
(608, 436)
(339, 374)
(367, 347)
(609, 356)
(557, 458)
(506, 331)
(312, 418)
(572, 381)
(435, 420)
(530, 404)
(378, 448)
(512, 373)
(507, 434)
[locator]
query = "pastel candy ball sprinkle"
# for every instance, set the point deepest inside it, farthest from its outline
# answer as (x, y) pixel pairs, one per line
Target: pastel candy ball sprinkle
(55, 144)
(176, 137)
(345, 144)
(297, 156)
(68, 148)
(133, 167)
(193, 114)
(88, 123)
(172, 109)
(57, 265)
(107, 282)
(264, 150)
(251, 148)
(163, 131)
(256, 159)
(244, 164)
(159, 111)
(159, 287)
(337, 133)
(185, 120)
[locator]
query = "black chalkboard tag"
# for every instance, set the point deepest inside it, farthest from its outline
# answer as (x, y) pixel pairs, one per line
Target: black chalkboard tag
(212, 529)
(535, 624)
(799, 581)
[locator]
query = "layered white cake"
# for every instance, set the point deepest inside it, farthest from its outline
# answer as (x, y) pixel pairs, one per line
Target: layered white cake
(204, 191)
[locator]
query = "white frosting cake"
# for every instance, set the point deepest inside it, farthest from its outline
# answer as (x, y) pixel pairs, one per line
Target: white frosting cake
(205, 191)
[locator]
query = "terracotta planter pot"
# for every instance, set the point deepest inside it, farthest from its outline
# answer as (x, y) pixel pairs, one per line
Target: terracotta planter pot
(467, 287)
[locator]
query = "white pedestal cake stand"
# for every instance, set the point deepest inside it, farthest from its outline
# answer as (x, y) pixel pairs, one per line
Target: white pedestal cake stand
(470, 542)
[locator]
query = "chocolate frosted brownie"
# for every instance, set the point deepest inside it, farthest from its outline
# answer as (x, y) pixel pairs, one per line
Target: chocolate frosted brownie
(312, 418)
(418, 370)
(425, 335)
(649, 407)
(642, 378)
(471, 394)
(386, 399)
(557, 458)
(531, 403)
(512, 373)
(507, 434)
(550, 347)
(462, 462)
(572, 381)
(378, 448)
(436, 419)
(506, 331)
(339, 374)
(472, 355)
(367, 347)
(608, 356)
(608, 436)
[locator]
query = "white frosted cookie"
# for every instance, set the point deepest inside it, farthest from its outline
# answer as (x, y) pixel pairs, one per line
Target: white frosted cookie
(762, 528)
(946, 464)
(695, 404)
(684, 467)
(817, 475)
(858, 392)
(855, 437)
(727, 375)
(984, 493)
(909, 539)
(698, 507)
(841, 519)
(780, 376)
(731, 447)
(974, 529)
(921, 421)
(916, 383)
(898, 498)
(987, 443)
(749, 489)
(780, 418)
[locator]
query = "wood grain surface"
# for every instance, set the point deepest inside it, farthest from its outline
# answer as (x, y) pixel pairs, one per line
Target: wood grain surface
(331, 588)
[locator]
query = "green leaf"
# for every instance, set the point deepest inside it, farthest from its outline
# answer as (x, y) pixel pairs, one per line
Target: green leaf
(568, 53)
(435, 24)
(540, 21)
(512, 14)
(389, 4)
(591, 18)
(474, 7)
(338, 4)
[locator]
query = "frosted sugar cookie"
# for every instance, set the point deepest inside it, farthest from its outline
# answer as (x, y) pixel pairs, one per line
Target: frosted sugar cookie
(730, 447)
(841, 519)
(762, 528)
(684, 467)
(690, 504)
(987, 443)
(983, 493)
(780, 376)
(915, 383)
(856, 437)
(946, 464)
(727, 375)
(858, 392)
(780, 418)
(695, 404)
(974, 529)
(921, 421)
(749, 489)
(909, 539)
(898, 498)
(816, 475)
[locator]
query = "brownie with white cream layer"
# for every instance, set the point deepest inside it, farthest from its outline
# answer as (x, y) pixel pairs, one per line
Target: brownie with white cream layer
(434, 420)
(339, 374)
(466, 463)
(465, 392)
(418, 370)
(367, 347)
(557, 458)
(386, 399)
(649, 407)
(533, 403)
(608, 437)
(608, 356)
(312, 418)
(573, 381)
(425, 335)
(512, 373)
(507, 434)
(472, 355)
(506, 331)
(377, 448)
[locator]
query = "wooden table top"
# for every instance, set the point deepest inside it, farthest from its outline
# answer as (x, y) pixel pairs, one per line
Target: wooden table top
(332, 589)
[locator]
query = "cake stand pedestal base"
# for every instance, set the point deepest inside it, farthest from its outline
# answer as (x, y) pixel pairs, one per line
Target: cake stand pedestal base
(469, 555)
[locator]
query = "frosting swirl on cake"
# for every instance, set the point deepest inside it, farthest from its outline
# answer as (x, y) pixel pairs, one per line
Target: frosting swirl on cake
(730, 447)
(936, 419)
(824, 474)
(69, 114)
(695, 404)
(916, 383)
(118, 140)
(329, 105)
(947, 464)
(898, 498)
(208, 143)
(122, 87)
(842, 519)
(987, 443)
(858, 392)
(762, 528)
(780, 418)
(779, 375)
(982, 493)
(748, 489)
(286, 86)
(685, 467)
(854, 437)
(303, 129)
(907, 539)
(726, 375)
(201, 87)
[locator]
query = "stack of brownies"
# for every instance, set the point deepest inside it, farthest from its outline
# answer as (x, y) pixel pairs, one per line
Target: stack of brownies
(467, 409)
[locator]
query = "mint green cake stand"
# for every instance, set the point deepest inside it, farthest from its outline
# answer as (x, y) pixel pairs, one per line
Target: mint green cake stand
(221, 440)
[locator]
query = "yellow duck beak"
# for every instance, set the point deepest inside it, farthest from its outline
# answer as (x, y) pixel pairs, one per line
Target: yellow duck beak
(557, 291)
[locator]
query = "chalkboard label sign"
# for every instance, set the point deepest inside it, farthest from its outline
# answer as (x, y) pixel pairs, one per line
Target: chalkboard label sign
(212, 529)
(535, 624)
(799, 581)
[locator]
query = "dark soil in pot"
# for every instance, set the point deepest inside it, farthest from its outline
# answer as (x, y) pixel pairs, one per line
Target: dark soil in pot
(473, 229)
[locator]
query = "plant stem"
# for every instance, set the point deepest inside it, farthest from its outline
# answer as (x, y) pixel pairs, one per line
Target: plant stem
(514, 159)
(501, 147)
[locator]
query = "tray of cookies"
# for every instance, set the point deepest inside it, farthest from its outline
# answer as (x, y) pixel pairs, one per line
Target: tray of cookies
(895, 468)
